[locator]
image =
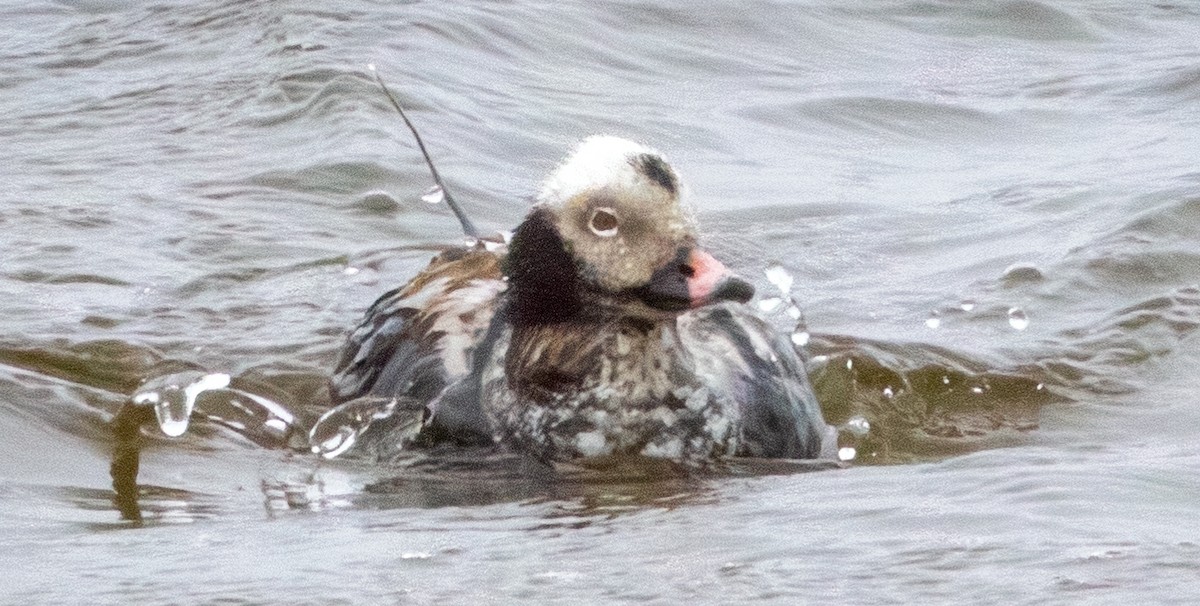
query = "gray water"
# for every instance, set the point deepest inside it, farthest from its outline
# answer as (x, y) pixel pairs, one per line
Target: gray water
(990, 210)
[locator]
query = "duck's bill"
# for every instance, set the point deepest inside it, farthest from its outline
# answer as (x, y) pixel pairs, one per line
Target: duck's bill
(693, 279)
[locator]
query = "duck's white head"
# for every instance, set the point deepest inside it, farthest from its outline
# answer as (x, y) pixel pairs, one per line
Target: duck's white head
(603, 162)
(615, 209)
(619, 205)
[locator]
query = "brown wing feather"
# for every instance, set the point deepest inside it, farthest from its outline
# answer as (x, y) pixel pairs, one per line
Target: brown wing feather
(416, 339)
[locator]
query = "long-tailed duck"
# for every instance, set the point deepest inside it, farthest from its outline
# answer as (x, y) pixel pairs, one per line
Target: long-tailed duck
(603, 329)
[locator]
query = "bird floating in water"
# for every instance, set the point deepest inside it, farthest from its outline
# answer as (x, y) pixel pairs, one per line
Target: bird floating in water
(600, 329)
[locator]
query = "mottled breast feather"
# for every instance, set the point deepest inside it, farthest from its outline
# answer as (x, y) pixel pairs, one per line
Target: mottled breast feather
(716, 382)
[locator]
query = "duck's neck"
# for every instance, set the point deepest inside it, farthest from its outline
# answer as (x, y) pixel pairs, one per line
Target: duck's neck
(547, 359)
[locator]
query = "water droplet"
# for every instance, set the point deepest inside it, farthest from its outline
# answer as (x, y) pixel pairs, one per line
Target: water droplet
(434, 195)
(337, 430)
(888, 393)
(847, 453)
(769, 305)
(800, 338)
(1022, 272)
(933, 321)
(967, 305)
(173, 405)
(779, 276)
(794, 312)
(1017, 318)
(858, 426)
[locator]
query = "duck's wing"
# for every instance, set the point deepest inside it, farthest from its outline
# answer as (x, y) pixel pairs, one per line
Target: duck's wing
(456, 415)
(761, 371)
(417, 339)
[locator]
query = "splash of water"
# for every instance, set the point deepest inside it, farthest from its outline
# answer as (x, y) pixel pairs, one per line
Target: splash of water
(175, 398)
(858, 426)
(770, 304)
(779, 276)
(174, 403)
(1018, 319)
(850, 435)
(339, 428)
(800, 336)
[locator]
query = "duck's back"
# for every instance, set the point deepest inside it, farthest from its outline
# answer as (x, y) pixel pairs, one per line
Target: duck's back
(416, 339)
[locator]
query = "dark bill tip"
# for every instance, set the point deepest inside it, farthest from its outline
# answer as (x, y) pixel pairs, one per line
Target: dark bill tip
(733, 288)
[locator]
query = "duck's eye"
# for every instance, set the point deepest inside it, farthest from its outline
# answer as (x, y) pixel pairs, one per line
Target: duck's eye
(604, 222)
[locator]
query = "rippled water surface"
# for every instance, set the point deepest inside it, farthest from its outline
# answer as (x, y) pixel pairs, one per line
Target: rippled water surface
(989, 211)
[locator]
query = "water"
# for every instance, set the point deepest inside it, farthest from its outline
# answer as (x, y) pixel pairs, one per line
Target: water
(220, 188)
(340, 427)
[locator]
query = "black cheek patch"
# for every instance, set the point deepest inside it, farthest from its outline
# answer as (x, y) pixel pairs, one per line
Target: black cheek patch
(655, 169)
(542, 278)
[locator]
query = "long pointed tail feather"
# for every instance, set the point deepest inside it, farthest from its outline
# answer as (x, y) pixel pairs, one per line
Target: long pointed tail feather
(467, 226)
